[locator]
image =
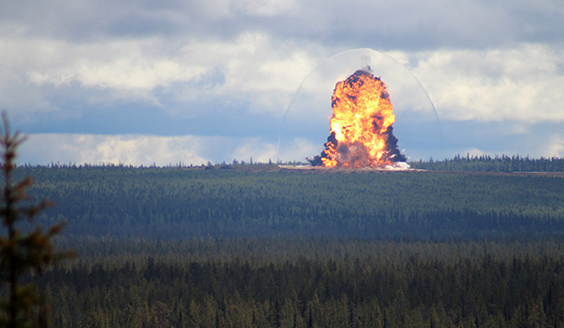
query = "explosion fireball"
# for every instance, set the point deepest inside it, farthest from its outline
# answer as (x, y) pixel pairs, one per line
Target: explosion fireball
(361, 132)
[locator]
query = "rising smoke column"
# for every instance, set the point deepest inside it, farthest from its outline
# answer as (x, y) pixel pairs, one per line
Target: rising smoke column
(361, 133)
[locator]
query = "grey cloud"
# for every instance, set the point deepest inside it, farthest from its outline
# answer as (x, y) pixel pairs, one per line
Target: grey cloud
(508, 137)
(143, 149)
(407, 24)
(85, 20)
(229, 67)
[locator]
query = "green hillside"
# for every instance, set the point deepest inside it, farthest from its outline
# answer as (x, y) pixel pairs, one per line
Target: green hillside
(265, 200)
(264, 246)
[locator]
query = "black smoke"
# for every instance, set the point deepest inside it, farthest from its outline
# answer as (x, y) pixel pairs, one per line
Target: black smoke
(316, 161)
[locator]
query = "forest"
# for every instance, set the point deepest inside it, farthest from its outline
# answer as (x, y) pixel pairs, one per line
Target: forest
(266, 200)
(265, 245)
(487, 163)
(310, 282)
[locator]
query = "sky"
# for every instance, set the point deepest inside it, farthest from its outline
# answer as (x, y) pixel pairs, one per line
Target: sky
(189, 82)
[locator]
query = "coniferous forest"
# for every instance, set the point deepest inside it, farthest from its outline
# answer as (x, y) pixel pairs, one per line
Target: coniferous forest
(270, 246)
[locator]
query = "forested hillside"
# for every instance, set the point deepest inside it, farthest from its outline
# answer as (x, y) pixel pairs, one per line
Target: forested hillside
(486, 163)
(305, 282)
(186, 202)
(264, 246)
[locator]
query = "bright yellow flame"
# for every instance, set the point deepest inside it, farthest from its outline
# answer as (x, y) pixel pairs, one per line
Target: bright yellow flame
(362, 115)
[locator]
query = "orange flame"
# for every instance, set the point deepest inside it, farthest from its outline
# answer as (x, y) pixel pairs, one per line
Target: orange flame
(361, 126)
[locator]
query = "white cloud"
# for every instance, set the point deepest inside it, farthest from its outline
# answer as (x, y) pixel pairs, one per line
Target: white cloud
(298, 149)
(142, 149)
(474, 152)
(264, 7)
(522, 83)
(555, 147)
(256, 149)
(120, 65)
(208, 63)
(97, 149)
(252, 68)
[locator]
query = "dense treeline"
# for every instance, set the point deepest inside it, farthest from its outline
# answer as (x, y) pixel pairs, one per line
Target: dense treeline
(303, 282)
(269, 201)
(264, 246)
(486, 163)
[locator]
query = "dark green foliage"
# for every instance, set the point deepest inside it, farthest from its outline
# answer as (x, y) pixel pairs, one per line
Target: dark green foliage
(314, 283)
(260, 246)
(486, 163)
(24, 249)
(167, 203)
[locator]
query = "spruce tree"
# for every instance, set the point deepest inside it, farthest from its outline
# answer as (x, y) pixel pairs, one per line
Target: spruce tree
(24, 248)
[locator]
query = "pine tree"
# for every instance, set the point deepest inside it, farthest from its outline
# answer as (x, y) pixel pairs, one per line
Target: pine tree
(22, 251)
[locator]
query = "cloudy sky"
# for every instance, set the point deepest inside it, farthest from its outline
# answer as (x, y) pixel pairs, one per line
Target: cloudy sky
(169, 81)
